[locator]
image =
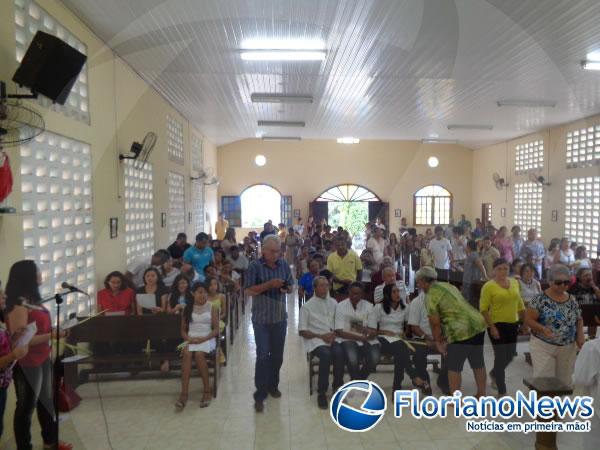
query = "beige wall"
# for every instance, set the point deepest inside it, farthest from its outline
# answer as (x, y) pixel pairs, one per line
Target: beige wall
(393, 170)
(501, 158)
(123, 108)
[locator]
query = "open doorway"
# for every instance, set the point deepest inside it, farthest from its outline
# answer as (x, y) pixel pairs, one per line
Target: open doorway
(352, 216)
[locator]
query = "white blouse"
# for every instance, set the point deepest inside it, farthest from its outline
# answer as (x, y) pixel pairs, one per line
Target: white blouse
(394, 321)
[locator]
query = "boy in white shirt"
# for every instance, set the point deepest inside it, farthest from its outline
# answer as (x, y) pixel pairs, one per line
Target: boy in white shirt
(441, 250)
(316, 325)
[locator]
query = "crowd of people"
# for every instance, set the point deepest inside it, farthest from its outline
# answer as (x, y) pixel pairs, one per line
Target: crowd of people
(406, 295)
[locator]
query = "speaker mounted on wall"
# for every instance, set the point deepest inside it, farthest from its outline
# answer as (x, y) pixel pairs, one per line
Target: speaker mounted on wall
(50, 67)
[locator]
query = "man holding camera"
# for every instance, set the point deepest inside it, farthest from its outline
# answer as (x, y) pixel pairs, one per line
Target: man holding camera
(268, 280)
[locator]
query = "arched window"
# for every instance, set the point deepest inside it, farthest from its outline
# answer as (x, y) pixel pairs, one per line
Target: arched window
(432, 206)
(347, 193)
(260, 203)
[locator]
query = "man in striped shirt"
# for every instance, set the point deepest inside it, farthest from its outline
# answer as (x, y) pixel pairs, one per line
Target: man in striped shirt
(268, 280)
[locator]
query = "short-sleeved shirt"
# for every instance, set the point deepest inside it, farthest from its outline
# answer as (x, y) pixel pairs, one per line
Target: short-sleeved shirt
(378, 292)
(472, 272)
(6, 372)
(460, 321)
(137, 268)
(306, 281)
(344, 268)
(220, 229)
(378, 248)
(241, 263)
(199, 259)
(535, 248)
(458, 247)
(488, 257)
(123, 301)
(157, 297)
(583, 295)
(529, 290)
(317, 315)
(561, 318)
(394, 321)
(177, 251)
(503, 304)
(417, 314)
(346, 316)
(270, 306)
(439, 249)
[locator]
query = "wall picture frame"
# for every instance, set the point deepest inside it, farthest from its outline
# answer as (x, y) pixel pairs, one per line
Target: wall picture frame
(397, 213)
(114, 227)
(296, 213)
(502, 212)
(163, 220)
(555, 215)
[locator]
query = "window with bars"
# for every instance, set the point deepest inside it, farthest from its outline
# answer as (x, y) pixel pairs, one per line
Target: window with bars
(529, 156)
(432, 206)
(583, 147)
(231, 206)
(175, 148)
(139, 210)
(198, 206)
(528, 206)
(176, 205)
(286, 210)
(56, 183)
(582, 212)
(197, 153)
(31, 18)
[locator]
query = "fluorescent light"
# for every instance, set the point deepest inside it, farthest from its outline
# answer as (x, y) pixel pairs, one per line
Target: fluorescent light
(281, 138)
(470, 127)
(280, 123)
(439, 141)
(528, 103)
(283, 55)
(280, 98)
(260, 160)
(283, 44)
(591, 65)
(348, 140)
(433, 162)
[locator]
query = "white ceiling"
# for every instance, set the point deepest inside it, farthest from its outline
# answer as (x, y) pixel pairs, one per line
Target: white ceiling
(395, 69)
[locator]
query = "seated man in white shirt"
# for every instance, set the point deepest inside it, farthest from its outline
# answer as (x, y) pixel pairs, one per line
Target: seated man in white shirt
(389, 277)
(135, 270)
(316, 325)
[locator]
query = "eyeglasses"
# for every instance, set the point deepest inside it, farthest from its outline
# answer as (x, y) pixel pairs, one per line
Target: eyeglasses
(563, 282)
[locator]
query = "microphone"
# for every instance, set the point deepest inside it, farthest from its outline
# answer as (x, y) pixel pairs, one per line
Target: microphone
(72, 288)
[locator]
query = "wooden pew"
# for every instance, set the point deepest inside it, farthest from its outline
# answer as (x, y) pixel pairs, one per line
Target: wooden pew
(130, 331)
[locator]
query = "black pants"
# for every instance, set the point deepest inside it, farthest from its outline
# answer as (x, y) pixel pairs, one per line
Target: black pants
(402, 361)
(443, 274)
(419, 359)
(33, 386)
(504, 351)
(330, 354)
(354, 353)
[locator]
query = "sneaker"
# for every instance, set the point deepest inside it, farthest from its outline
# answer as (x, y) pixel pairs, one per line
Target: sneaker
(259, 406)
(275, 393)
(322, 401)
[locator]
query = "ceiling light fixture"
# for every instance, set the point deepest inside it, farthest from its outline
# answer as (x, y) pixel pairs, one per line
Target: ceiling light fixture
(282, 50)
(433, 162)
(260, 160)
(281, 138)
(527, 103)
(283, 55)
(471, 127)
(280, 123)
(280, 98)
(439, 141)
(348, 140)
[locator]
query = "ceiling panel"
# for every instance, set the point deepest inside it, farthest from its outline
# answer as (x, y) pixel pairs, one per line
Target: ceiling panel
(395, 69)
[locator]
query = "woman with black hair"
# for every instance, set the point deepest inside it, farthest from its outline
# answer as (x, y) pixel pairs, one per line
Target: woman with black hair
(116, 297)
(33, 373)
(180, 295)
(387, 320)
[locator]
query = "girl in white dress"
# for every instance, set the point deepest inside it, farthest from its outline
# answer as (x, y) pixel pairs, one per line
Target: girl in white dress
(199, 329)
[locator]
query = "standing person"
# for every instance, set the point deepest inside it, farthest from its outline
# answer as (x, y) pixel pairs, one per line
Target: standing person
(238, 259)
(504, 244)
(221, 226)
(378, 245)
(556, 327)
(586, 292)
(299, 227)
(474, 271)
(229, 240)
(200, 329)
(489, 254)
(517, 240)
(459, 244)
(536, 249)
(345, 265)
(305, 283)
(268, 280)
(587, 375)
(267, 231)
(463, 222)
(199, 256)
(441, 252)
(529, 286)
(316, 326)
(177, 248)
(566, 254)
(502, 307)
(32, 374)
(458, 329)
(292, 243)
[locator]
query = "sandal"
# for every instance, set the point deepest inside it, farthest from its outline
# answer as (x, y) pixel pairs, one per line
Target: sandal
(180, 403)
(425, 388)
(206, 401)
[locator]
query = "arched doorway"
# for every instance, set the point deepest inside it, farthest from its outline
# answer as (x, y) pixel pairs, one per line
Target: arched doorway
(349, 206)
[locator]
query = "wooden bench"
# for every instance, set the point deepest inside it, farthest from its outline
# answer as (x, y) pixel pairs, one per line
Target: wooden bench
(384, 360)
(129, 330)
(550, 387)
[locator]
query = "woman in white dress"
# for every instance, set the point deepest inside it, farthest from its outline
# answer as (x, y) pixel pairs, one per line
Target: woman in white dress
(199, 329)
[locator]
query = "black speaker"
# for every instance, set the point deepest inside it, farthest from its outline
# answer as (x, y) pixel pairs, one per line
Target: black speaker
(50, 67)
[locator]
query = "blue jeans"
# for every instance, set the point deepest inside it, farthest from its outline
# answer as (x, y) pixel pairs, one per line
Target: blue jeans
(3, 392)
(270, 341)
(367, 353)
(328, 355)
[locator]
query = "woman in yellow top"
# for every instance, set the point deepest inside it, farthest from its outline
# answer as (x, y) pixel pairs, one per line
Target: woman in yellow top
(502, 306)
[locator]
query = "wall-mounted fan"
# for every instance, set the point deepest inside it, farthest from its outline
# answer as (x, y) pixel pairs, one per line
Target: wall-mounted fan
(18, 123)
(141, 152)
(207, 175)
(499, 181)
(539, 179)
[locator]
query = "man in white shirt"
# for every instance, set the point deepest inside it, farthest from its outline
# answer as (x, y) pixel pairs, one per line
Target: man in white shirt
(587, 375)
(441, 250)
(239, 260)
(358, 342)
(389, 277)
(299, 227)
(377, 244)
(459, 245)
(316, 325)
(135, 270)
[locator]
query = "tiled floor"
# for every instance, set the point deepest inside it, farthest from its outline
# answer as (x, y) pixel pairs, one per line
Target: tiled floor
(140, 414)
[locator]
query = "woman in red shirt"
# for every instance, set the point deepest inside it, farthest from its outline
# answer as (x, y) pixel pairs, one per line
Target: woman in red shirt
(116, 297)
(32, 374)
